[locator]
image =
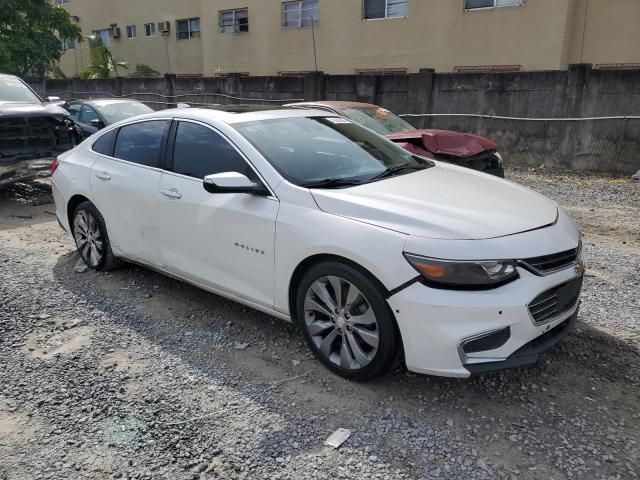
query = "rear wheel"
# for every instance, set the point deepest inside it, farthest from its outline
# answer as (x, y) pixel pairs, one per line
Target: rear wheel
(346, 321)
(92, 240)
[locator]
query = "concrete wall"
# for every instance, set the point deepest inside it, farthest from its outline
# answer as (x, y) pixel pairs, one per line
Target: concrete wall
(440, 34)
(605, 145)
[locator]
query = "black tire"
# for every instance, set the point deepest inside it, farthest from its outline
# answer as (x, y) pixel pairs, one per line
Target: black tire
(388, 338)
(108, 261)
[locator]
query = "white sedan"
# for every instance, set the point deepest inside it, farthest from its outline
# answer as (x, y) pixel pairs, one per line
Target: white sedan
(376, 253)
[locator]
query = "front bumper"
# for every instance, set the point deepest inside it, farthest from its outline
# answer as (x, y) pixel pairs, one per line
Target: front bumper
(530, 352)
(23, 170)
(497, 172)
(435, 324)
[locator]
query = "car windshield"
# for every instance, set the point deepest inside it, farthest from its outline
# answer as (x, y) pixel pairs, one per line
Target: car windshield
(13, 90)
(378, 119)
(115, 112)
(330, 150)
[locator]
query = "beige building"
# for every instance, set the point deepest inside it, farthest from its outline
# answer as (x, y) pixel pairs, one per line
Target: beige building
(269, 37)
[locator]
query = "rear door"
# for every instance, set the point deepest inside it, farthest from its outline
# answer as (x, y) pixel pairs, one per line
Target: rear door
(125, 188)
(224, 240)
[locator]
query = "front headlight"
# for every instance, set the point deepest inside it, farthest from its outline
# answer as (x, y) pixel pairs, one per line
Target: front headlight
(463, 275)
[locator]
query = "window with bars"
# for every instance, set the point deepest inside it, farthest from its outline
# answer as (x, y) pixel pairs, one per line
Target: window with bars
(302, 13)
(475, 4)
(104, 35)
(187, 28)
(68, 44)
(375, 9)
(234, 21)
(132, 31)
(149, 29)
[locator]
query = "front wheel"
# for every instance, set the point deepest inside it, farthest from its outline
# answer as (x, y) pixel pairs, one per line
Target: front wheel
(92, 241)
(346, 321)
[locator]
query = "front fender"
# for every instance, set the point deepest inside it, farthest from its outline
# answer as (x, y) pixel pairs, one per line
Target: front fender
(302, 232)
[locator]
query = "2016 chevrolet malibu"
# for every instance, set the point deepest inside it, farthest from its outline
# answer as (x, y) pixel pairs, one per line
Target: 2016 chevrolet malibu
(310, 217)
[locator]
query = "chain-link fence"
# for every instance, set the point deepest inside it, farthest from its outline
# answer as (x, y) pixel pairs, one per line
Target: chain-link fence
(159, 101)
(609, 144)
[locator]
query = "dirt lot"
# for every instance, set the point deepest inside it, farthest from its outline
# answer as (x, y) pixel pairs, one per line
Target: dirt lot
(133, 375)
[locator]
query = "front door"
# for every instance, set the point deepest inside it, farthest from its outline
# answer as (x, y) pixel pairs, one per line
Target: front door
(223, 240)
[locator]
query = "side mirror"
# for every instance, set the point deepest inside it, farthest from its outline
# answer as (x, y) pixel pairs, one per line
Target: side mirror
(96, 122)
(52, 99)
(233, 182)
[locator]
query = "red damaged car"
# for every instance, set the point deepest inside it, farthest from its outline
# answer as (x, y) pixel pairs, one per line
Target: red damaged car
(463, 149)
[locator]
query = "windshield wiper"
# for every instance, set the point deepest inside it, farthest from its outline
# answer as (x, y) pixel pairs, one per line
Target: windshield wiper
(332, 183)
(391, 171)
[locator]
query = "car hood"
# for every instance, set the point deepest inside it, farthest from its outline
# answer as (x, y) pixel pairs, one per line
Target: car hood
(446, 142)
(443, 202)
(15, 109)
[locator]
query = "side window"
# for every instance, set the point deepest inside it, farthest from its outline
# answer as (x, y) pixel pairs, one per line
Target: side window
(104, 144)
(141, 143)
(74, 112)
(88, 114)
(199, 151)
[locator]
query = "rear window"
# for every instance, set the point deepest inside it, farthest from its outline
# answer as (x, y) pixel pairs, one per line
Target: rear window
(141, 143)
(121, 111)
(379, 119)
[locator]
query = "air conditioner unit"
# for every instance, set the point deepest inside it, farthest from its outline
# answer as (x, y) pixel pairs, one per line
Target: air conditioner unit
(115, 33)
(164, 27)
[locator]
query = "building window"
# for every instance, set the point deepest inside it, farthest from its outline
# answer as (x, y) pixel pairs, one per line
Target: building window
(62, 2)
(474, 4)
(149, 29)
(104, 35)
(131, 31)
(68, 44)
(375, 9)
(301, 13)
(188, 28)
(234, 21)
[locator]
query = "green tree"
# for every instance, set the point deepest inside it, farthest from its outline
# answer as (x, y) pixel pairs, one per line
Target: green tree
(103, 63)
(30, 36)
(145, 71)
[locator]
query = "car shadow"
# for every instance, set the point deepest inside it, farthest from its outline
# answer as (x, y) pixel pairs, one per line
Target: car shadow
(26, 204)
(589, 371)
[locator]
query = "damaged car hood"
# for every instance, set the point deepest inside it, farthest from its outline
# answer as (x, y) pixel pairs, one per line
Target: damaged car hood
(31, 135)
(446, 142)
(443, 202)
(14, 109)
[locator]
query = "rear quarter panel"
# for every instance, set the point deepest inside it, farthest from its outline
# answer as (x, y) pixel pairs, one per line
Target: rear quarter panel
(72, 178)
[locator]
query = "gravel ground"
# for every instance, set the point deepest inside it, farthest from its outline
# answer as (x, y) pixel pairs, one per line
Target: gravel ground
(133, 375)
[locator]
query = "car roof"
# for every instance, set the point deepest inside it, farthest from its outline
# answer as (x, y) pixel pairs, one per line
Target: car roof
(103, 102)
(6, 75)
(206, 115)
(334, 104)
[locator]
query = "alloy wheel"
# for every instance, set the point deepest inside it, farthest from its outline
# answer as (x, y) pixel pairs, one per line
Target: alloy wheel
(341, 322)
(88, 238)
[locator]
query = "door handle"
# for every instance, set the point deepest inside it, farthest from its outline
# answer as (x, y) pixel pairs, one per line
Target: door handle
(103, 176)
(171, 193)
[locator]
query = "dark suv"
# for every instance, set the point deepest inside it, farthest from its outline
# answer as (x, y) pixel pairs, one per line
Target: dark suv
(33, 132)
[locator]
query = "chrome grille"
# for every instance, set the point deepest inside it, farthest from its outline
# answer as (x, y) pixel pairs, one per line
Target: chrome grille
(555, 301)
(551, 263)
